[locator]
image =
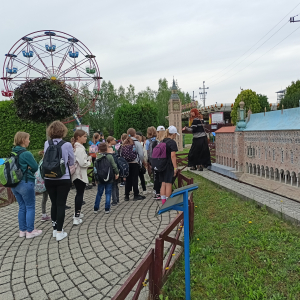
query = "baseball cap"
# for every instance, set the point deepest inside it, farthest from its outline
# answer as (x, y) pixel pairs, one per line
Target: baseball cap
(139, 133)
(173, 129)
(160, 128)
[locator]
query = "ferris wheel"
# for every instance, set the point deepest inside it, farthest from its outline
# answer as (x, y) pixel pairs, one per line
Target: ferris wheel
(55, 55)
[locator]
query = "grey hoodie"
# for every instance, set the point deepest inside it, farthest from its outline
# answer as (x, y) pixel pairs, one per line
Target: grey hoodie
(139, 150)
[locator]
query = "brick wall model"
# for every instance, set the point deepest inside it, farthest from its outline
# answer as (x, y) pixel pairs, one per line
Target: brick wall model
(270, 154)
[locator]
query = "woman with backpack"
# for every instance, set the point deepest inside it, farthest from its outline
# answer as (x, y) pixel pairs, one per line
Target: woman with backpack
(123, 138)
(24, 191)
(199, 154)
(58, 187)
(152, 141)
(93, 150)
(80, 178)
(132, 151)
(167, 175)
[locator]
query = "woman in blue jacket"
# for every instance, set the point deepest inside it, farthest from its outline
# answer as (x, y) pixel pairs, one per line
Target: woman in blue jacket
(24, 191)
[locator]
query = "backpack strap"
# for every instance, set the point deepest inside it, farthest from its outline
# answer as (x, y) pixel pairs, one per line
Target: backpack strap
(61, 143)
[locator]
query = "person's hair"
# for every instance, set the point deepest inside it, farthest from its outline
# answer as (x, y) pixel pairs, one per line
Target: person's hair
(167, 134)
(20, 136)
(96, 136)
(144, 139)
(41, 153)
(196, 112)
(151, 132)
(161, 135)
(57, 130)
(110, 139)
(102, 147)
(78, 133)
(130, 133)
(123, 137)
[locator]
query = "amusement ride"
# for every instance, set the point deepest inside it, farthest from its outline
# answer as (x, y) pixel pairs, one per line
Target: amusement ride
(55, 55)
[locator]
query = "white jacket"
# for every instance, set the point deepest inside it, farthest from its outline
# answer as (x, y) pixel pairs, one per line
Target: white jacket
(82, 161)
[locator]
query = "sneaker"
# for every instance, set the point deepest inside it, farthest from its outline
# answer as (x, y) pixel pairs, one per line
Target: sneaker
(122, 184)
(94, 184)
(88, 187)
(107, 211)
(157, 197)
(83, 202)
(80, 216)
(67, 207)
(126, 198)
(96, 211)
(114, 203)
(54, 233)
(33, 233)
(47, 218)
(22, 233)
(61, 235)
(163, 201)
(77, 221)
(138, 197)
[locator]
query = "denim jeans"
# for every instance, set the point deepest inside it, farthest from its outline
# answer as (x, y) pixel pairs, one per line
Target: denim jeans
(108, 190)
(25, 195)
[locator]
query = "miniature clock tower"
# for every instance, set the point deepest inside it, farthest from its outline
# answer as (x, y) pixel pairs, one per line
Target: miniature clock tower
(175, 115)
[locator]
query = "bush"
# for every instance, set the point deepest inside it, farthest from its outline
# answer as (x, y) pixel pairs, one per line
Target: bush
(44, 100)
(10, 124)
(137, 116)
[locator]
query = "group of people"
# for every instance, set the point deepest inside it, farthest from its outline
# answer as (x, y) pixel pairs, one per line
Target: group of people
(135, 153)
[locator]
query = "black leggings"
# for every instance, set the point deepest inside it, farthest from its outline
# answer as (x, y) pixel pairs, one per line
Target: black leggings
(132, 180)
(142, 178)
(58, 191)
(80, 187)
(157, 184)
(93, 175)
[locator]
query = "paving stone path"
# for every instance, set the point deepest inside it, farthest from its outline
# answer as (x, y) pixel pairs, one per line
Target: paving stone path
(91, 263)
(285, 207)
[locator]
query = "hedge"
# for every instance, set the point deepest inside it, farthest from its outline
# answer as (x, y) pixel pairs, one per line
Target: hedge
(137, 116)
(10, 124)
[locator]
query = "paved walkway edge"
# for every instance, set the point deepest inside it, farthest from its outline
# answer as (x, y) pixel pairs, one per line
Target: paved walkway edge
(283, 207)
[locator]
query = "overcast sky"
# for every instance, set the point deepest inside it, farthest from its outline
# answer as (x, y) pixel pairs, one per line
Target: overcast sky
(138, 42)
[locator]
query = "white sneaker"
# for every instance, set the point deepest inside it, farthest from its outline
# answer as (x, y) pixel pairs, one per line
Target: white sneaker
(81, 215)
(54, 233)
(61, 235)
(107, 211)
(96, 211)
(77, 221)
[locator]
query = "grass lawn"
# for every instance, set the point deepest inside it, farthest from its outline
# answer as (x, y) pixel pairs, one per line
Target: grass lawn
(238, 251)
(188, 138)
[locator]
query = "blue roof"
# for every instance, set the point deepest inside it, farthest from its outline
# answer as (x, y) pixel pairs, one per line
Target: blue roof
(275, 120)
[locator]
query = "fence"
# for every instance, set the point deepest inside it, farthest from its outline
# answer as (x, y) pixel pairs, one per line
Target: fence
(153, 263)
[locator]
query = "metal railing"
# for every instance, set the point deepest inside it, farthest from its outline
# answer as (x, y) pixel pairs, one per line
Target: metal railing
(153, 264)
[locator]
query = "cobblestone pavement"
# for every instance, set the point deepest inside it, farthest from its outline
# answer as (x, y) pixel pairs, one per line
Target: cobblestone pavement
(280, 205)
(91, 263)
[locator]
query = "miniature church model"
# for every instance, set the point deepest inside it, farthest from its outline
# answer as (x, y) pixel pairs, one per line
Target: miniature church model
(175, 115)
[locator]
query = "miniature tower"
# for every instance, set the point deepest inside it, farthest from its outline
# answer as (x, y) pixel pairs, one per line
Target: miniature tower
(175, 115)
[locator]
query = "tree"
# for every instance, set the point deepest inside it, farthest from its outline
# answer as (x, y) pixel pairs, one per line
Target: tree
(293, 88)
(290, 100)
(251, 101)
(264, 103)
(44, 100)
(137, 116)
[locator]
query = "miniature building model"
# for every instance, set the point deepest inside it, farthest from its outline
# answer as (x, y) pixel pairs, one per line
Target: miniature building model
(175, 115)
(268, 145)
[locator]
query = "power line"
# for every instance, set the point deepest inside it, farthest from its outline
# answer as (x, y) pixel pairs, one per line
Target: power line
(258, 57)
(255, 43)
(253, 51)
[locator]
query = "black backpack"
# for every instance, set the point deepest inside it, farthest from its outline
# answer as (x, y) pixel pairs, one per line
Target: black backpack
(122, 165)
(53, 165)
(104, 170)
